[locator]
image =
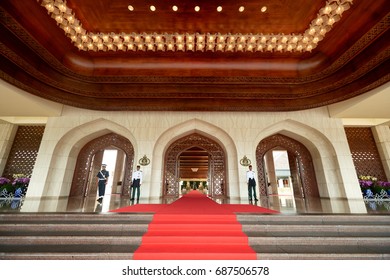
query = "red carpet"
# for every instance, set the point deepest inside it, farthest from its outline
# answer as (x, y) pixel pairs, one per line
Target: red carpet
(194, 228)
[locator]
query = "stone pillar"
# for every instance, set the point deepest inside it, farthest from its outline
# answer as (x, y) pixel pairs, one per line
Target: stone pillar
(269, 162)
(382, 139)
(7, 135)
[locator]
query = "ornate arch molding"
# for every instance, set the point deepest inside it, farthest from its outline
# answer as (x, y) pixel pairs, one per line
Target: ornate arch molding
(217, 170)
(85, 163)
(300, 160)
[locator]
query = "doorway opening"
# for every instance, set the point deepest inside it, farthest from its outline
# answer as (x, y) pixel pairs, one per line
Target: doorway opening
(301, 169)
(195, 158)
(279, 180)
(194, 170)
(111, 149)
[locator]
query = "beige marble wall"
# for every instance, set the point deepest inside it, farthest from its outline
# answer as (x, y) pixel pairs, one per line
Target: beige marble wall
(7, 135)
(382, 138)
(151, 133)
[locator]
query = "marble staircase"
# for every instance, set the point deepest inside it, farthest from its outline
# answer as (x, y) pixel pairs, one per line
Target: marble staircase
(67, 236)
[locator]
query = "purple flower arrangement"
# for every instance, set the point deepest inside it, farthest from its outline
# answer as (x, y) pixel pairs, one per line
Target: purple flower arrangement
(21, 182)
(18, 185)
(371, 183)
(4, 181)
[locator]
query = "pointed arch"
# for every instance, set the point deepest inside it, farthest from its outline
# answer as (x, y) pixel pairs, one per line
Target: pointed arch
(207, 130)
(304, 183)
(64, 157)
(323, 154)
(85, 164)
(217, 165)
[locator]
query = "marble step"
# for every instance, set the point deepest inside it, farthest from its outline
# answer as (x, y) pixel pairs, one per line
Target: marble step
(67, 256)
(68, 240)
(47, 229)
(92, 218)
(132, 239)
(316, 230)
(322, 256)
(353, 219)
(129, 256)
(69, 236)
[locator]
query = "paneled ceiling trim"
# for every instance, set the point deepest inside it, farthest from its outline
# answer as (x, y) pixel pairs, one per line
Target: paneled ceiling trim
(189, 42)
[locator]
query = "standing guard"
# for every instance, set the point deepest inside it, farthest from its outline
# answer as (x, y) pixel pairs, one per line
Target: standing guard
(251, 181)
(136, 184)
(103, 175)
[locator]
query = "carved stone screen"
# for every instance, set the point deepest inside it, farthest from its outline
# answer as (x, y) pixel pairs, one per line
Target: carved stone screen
(364, 152)
(24, 151)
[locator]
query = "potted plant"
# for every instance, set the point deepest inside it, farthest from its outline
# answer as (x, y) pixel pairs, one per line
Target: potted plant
(385, 186)
(372, 188)
(367, 183)
(20, 184)
(6, 187)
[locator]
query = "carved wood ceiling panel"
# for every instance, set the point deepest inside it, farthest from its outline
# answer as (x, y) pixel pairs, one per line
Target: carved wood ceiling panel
(352, 58)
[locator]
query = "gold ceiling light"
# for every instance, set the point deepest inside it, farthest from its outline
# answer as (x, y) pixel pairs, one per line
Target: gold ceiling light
(327, 16)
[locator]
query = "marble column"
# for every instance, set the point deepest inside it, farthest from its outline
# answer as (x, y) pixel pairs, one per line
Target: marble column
(382, 139)
(7, 135)
(269, 161)
(117, 181)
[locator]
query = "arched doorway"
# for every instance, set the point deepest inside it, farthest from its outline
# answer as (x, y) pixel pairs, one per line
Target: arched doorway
(301, 165)
(206, 148)
(89, 161)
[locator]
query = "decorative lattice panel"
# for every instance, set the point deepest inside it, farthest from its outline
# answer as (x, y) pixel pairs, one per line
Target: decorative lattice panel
(89, 162)
(364, 152)
(216, 179)
(301, 165)
(24, 151)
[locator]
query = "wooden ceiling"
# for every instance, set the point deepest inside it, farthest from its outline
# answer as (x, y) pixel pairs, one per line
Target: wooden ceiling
(194, 163)
(39, 57)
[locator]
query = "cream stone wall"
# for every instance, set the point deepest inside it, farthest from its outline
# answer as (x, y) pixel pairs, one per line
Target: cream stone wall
(7, 135)
(151, 133)
(382, 139)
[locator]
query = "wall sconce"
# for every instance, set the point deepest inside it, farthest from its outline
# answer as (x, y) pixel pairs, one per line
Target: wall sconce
(144, 161)
(245, 161)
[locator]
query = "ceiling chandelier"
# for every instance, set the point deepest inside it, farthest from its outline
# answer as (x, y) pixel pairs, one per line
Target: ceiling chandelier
(191, 42)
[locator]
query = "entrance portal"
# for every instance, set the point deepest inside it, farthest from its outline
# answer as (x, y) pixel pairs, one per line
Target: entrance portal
(90, 159)
(303, 177)
(192, 154)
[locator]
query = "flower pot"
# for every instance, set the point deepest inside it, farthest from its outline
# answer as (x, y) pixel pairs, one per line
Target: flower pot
(18, 192)
(367, 193)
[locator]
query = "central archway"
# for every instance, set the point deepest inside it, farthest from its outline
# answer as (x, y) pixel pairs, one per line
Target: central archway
(217, 166)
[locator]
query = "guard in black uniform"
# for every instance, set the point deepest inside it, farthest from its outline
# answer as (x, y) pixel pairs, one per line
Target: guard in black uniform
(250, 178)
(102, 175)
(137, 181)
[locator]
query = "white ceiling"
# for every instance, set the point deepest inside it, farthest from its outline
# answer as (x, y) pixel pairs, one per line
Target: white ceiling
(371, 108)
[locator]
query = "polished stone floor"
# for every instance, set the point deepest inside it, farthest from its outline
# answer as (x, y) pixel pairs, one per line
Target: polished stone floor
(285, 204)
